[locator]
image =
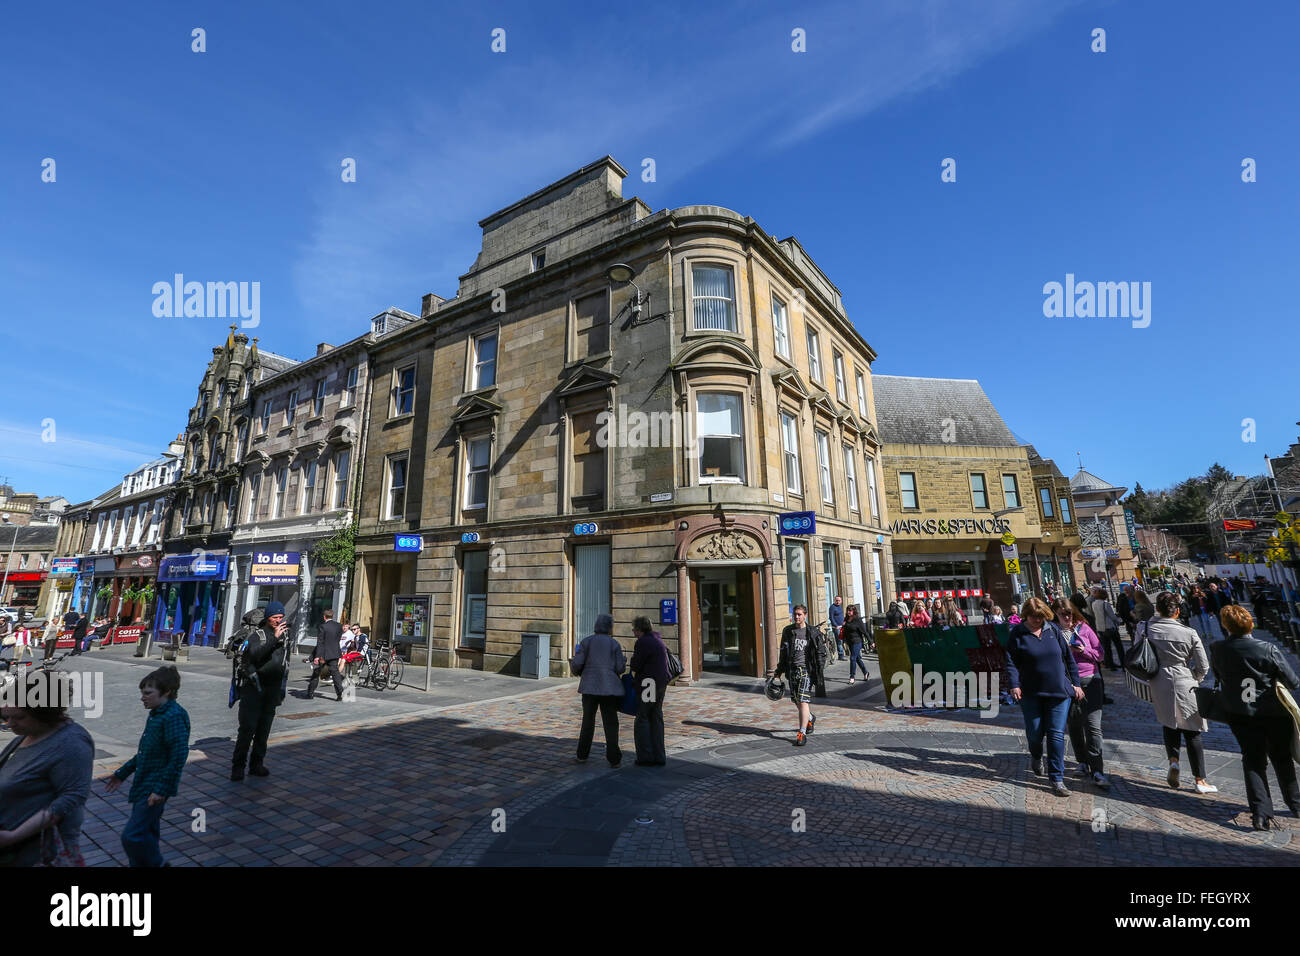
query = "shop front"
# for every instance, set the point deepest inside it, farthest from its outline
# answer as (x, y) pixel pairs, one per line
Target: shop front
(25, 588)
(134, 586)
(102, 593)
(262, 575)
(83, 590)
(191, 591)
(959, 559)
(62, 584)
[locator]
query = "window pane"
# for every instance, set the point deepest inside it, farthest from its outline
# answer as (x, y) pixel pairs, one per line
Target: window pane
(796, 575)
(474, 605)
(1046, 495)
(1065, 509)
(592, 586)
(907, 488)
(1010, 492)
(978, 492)
(714, 301)
(592, 325)
(824, 466)
(780, 327)
(485, 358)
(718, 413)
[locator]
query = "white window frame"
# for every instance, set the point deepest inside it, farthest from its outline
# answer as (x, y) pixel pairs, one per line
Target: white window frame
(349, 397)
(862, 394)
(254, 492)
(1015, 490)
(781, 326)
(477, 365)
(291, 408)
(700, 436)
(903, 492)
(790, 453)
(281, 489)
(155, 521)
(984, 490)
(873, 498)
(471, 472)
(405, 458)
(342, 462)
(851, 477)
(732, 309)
(397, 390)
(308, 486)
(318, 400)
(841, 387)
(266, 415)
(822, 441)
(99, 531)
(814, 343)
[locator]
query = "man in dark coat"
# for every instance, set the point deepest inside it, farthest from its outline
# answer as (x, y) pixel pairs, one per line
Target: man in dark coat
(327, 656)
(801, 660)
(261, 692)
(78, 636)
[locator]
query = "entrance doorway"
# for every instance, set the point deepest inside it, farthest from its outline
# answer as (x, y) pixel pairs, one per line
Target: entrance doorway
(726, 619)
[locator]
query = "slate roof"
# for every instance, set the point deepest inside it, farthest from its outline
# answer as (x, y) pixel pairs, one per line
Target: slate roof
(277, 362)
(912, 411)
(1086, 481)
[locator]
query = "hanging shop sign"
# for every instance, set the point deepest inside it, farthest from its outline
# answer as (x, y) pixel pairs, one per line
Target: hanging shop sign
(797, 522)
(64, 566)
(409, 542)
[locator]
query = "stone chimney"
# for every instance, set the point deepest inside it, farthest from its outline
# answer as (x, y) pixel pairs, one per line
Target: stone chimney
(177, 446)
(430, 304)
(323, 347)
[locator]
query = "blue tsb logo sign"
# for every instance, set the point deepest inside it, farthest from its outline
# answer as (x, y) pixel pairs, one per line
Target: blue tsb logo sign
(799, 522)
(469, 537)
(586, 527)
(408, 542)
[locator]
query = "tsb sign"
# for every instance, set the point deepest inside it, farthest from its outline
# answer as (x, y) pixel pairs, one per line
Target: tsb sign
(586, 527)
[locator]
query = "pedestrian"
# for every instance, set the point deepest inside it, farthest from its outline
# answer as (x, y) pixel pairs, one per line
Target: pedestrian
(1084, 719)
(1080, 602)
(1109, 623)
(157, 765)
(938, 619)
(45, 774)
(1044, 678)
(598, 660)
(1014, 617)
(801, 660)
(1124, 607)
(895, 617)
(328, 652)
(1248, 671)
(857, 633)
(956, 617)
(649, 664)
(1183, 663)
(79, 628)
(7, 639)
(50, 638)
(836, 618)
(23, 643)
(261, 690)
(998, 616)
(920, 617)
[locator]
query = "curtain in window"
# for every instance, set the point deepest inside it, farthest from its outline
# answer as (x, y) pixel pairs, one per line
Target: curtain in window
(591, 570)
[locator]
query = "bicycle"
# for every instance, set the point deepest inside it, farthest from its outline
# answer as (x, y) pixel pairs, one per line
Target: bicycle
(387, 668)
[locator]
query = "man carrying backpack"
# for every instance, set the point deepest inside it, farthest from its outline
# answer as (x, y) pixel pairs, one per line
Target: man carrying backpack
(263, 669)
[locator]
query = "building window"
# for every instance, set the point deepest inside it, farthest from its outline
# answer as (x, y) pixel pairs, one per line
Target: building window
(318, 408)
(208, 505)
(99, 533)
(215, 461)
(830, 573)
(814, 355)
(281, 486)
(871, 489)
(714, 298)
(851, 478)
(155, 521)
(341, 479)
(291, 409)
(473, 629)
(248, 384)
(476, 472)
(220, 390)
(796, 577)
(404, 391)
(588, 463)
(591, 325)
(350, 390)
(1065, 509)
(979, 493)
(266, 415)
(781, 327)
(840, 388)
(112, 532)
(1045, 495)
(254, 486)
(539, 260)
(824, 467)
(790, 448)
(721, 434)
(308, 487)
(485, 361)
(879, 587)
(395, 507)
(907, 489)
(232, 505)
(591, 586)
(22, 562)
(1011, 491)
(862, 394)
(203, 406)
(380, 324)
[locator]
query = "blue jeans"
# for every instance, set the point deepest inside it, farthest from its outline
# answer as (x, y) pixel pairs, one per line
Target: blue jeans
(1045, 716)
(141, 835)
(855, 659)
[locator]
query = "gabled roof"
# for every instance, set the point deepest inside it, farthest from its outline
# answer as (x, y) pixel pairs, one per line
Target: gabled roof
(1086, 481)
(912, 411)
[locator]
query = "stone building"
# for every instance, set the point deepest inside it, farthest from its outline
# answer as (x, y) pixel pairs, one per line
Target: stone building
(1106, 556)
(298, 454)
(193, 575)
(1051, 561)
(956, 480)
(610, 416)
(25, 553)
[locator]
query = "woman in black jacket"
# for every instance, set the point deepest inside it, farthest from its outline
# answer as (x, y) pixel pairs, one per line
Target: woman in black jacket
(856, 633)
(895, 618)
(1248, 671)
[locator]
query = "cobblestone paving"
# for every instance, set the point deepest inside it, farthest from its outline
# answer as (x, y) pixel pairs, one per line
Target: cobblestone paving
(876, 788)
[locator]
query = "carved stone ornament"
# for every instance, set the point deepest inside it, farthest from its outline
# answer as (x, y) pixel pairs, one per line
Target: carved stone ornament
(724, 546)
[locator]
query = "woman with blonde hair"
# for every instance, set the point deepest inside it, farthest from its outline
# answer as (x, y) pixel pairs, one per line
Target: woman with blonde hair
(1044, 678)
(1257, 718)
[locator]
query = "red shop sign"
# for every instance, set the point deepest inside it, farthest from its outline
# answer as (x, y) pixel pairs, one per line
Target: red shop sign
(128, 634)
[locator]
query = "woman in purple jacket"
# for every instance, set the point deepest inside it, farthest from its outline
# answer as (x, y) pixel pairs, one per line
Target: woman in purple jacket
(1084, 721)
(650, 669)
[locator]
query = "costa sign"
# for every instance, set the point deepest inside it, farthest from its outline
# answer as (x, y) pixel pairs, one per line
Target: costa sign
(971, 526)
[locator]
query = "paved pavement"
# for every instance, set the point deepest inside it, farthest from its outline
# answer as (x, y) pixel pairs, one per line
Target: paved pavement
(486, 775)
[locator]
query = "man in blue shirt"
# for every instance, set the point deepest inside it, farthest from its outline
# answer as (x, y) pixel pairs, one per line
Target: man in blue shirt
(837, 624)
(164, 748)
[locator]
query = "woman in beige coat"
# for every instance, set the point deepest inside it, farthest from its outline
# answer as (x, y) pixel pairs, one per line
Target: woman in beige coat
(1182, 666)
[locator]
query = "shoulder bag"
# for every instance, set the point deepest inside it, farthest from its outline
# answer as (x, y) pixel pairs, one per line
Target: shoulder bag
(1209, 703)
(1289, 705)
(1141, 660)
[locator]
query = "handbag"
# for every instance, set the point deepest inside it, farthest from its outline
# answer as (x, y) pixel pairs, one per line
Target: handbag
(1140, 660)
(1289, 705)
(630, 696)
(1209, 703)
(56, 853)
(674, 666)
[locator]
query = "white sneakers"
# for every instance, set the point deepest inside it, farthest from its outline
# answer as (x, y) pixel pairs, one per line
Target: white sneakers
(1206, 788)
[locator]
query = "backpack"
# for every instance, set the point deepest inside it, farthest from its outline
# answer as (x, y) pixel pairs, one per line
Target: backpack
(235, 650)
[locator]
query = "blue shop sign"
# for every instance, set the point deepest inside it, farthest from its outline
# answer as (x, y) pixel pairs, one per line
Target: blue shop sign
(668, 611)
(193, 567)
(408, 542)
(469, 537)
(798, 522)
(586, 527)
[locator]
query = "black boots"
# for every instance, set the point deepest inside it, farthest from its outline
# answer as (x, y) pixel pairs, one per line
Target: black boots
(237, 774)
(258, 770)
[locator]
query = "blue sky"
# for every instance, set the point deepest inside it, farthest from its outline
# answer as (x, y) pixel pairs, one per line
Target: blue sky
(224, 165)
